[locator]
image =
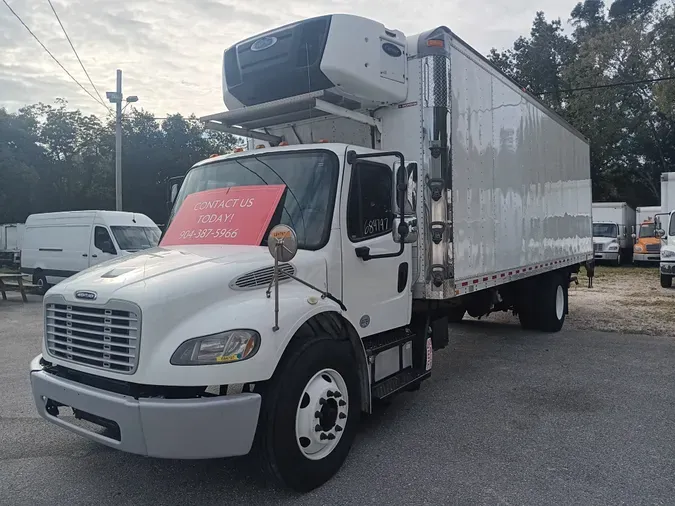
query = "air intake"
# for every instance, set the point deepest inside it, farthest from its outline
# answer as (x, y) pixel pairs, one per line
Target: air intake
(261, 278)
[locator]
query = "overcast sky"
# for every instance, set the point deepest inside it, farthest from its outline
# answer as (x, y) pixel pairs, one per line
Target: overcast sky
(170, 50)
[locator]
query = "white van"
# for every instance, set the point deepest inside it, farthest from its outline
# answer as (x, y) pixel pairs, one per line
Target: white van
(58, 245)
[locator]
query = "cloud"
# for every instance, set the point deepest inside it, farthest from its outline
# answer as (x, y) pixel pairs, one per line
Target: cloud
(170, 50)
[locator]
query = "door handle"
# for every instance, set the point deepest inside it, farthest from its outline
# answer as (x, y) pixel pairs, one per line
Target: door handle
(94, 256)
(84, 254)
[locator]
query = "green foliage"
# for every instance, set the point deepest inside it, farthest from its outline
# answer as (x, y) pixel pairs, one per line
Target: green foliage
(53, 158)
(631, 128)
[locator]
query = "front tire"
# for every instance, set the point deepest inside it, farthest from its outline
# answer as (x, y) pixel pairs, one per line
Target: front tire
(666, 281)
(310, 412)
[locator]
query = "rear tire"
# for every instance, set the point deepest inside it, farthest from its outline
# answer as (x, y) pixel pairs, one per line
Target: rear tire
(553, 300)
(666, 281)
(456, 314)
(292, 450)
(40, 280)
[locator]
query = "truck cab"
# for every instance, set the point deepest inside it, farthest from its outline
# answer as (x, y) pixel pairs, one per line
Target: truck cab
(607, 242)
(647, 243)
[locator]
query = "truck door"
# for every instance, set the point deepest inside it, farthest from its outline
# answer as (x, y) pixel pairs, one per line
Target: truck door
(102, 247)
(376, 292)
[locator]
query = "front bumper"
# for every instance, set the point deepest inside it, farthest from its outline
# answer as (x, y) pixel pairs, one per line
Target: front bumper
(646, 257)
(668, 268)
(606, 255)
(209, 427)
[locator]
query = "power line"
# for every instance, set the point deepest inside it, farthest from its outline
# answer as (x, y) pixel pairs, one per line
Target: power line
(613, 85)
(50, 54)
(76, 55)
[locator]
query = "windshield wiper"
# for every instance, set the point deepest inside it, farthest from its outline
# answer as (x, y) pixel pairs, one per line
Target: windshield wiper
(266, 183)
(302, 214)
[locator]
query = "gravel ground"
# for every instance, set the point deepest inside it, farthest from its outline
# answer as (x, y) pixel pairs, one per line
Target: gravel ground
(508, 417)
(623, 299)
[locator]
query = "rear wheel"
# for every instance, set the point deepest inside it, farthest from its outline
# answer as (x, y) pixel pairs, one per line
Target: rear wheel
(553, 300)
(666, 281)
(40, 280)
(456, 314)
(310, 413)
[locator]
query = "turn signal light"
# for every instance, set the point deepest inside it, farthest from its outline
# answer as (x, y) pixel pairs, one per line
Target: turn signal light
(283, 143)
(238, 150)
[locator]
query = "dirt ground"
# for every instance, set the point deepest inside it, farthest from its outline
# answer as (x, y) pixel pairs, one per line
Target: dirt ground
(623, 299)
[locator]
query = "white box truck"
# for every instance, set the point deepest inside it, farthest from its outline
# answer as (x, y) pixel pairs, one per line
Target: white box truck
(58, 245)
(667, 192)
(613, 228)
(11, 236)
(412, 181)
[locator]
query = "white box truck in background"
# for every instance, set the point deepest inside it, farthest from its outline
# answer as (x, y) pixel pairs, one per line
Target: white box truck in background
(441, 188)
(613, 228)
(667, 192)
(58, 245)
(11, 237)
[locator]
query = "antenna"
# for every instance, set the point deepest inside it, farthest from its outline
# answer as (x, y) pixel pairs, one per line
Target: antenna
(309, 90)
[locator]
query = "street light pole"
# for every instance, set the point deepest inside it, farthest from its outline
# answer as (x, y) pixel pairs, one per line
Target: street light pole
(118, 143)
(116, 97)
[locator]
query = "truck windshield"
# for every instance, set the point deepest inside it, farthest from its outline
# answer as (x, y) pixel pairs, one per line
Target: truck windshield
(605, 230)
(310, 178)
(136, 238)
(647, 230)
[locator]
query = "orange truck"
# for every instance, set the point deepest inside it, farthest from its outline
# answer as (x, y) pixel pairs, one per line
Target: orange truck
(647, 245)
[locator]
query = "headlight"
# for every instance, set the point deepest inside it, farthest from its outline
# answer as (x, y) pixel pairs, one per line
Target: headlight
(223, 348)
(638, 248)
(666, 253)
(613, 246)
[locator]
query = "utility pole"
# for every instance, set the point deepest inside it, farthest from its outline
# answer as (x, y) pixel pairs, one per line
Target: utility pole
(118, 144)
(117, 98)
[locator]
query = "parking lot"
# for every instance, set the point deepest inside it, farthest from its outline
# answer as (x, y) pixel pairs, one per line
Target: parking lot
(508, 417)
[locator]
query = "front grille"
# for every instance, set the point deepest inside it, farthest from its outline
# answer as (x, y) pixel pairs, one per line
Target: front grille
(653, 248)
(597, 246)
(103, 337)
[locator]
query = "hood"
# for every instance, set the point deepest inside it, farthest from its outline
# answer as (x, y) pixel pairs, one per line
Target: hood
(172, 266)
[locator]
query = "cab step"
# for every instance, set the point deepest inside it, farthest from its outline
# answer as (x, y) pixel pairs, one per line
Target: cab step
(381, 342)
(398, 382)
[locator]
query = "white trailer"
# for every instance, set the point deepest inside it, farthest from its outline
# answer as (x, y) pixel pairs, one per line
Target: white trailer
(11, 236)
(667, 192)
(418, 183)
(613, 229)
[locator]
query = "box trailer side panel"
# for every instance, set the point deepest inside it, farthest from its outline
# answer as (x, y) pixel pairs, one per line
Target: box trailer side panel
(521, 178)
(667, 192)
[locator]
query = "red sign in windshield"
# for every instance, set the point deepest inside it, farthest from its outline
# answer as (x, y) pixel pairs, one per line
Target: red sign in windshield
(237, 215)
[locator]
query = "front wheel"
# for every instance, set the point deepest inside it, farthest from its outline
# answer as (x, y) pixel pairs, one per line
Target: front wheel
(310, 412)
(666, 281)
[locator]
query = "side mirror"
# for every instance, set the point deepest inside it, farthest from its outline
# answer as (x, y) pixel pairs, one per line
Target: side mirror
(405, 229)
(107, 247)
(660, 233)
(173, 187)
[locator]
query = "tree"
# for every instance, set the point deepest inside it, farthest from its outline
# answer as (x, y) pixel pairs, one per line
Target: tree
(53, 158)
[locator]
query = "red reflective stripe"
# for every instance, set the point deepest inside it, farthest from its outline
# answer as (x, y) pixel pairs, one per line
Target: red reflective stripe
(465, 283)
